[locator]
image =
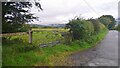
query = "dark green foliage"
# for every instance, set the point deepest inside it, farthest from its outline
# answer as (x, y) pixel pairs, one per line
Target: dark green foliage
(96, 25)
(108, 21)
(102, 27)
(80, 28)
(14, 16)
(112, 21)
(104, 21)
(118, 27)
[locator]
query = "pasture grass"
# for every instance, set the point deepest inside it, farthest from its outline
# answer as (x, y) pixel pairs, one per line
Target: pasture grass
(20, 53)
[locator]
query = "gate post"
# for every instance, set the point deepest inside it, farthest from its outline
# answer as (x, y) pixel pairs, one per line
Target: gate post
(30, 36)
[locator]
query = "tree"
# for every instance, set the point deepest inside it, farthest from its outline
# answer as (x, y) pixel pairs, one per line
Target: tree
(112, 21)
(108, 21)
(104, 21)
(16, 14)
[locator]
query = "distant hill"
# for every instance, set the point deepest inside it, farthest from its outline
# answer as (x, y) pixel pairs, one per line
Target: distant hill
(37, 25)
(50, 25)
(57, 25)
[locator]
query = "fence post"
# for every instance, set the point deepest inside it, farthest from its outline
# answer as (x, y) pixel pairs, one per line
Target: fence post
(30, 36)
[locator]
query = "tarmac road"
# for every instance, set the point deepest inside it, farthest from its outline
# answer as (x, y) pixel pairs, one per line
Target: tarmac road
(104, 54)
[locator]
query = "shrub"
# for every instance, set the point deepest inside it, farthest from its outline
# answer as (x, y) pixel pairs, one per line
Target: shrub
(80, 28)
(67, 38)
(96, 25)
(104, 21)
(102, 27)
(118, 27)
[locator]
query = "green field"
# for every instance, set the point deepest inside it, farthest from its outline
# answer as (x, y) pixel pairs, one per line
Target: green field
(18, 52)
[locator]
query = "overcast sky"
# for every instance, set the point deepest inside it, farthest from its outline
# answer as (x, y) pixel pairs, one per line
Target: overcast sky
(61, 11)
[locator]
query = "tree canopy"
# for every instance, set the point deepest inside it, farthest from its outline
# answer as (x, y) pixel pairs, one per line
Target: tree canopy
(16, 14)
(108, 21)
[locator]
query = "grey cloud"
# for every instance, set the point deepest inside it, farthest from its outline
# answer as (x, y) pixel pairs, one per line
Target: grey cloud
(60, 11)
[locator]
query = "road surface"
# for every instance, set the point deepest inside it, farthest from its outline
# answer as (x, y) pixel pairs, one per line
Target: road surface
(104, 54)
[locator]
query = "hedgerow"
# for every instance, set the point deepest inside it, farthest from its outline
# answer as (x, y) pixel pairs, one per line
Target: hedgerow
(80, 28)
(96, 25)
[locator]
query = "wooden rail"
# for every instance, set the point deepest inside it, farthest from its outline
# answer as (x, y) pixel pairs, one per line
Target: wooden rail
(14, 34)
(20, 33)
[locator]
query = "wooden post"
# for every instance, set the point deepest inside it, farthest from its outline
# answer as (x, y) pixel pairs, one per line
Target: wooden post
(30, 36)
